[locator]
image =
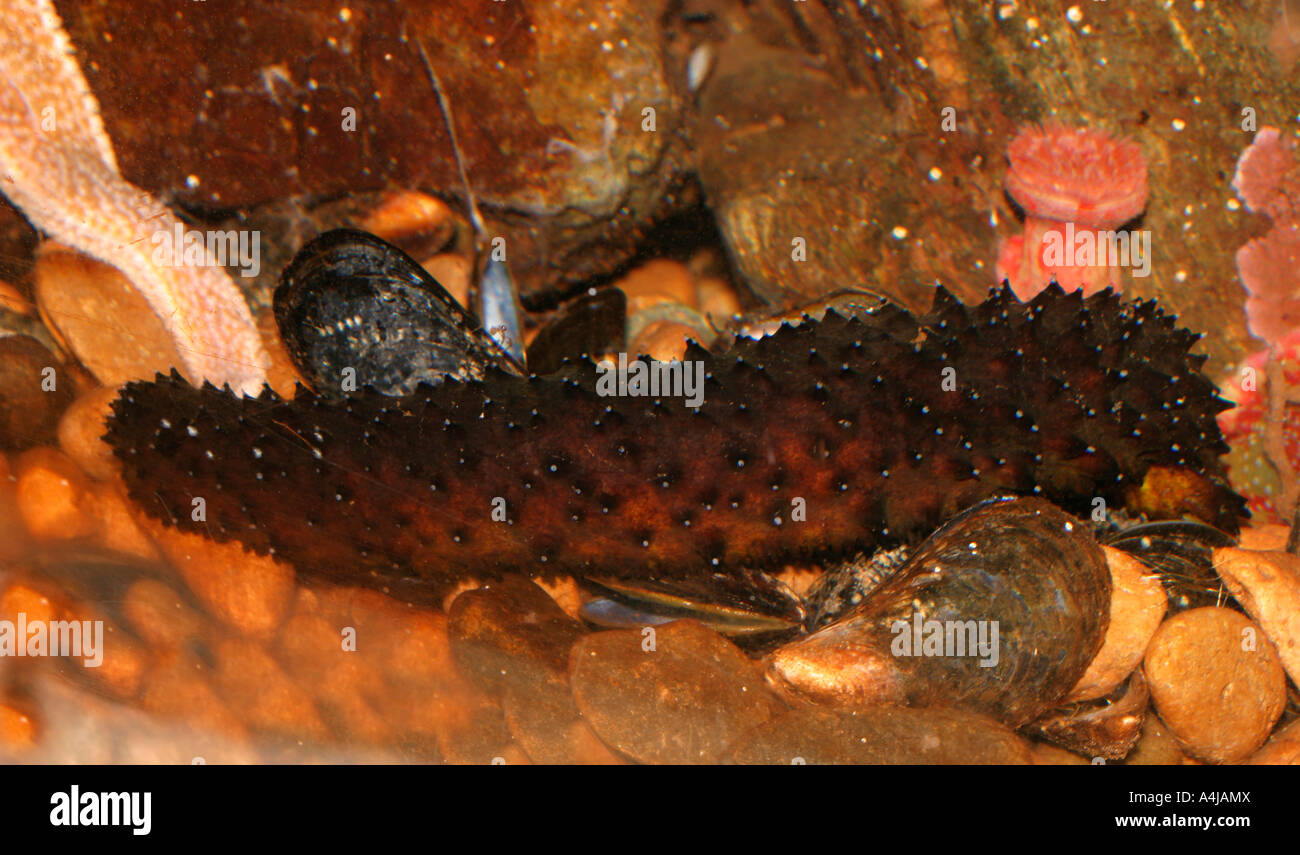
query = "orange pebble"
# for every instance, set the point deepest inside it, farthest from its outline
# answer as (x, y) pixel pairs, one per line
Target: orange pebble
(281, 375)
(122, 660)
(659, 281)
(160, 615)
(51, 495)
(19, 598)
(249, 592)
(410, 645)
(180, 687)
(406, 213)
(261, 694)
(13, 531)
(453, 272)
(101, 317)
(17, 730)
(663, 340)
(718, 299)
(312, 650)
(117, 526)
(13, 300)
(81, 433)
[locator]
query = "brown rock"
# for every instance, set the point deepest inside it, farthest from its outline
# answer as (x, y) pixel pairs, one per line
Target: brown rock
(1267, 584)
(13, 531)
(566, 592)
(124, 661)
(547, 98)
(511, 634)
(104, 321)
(343, 685)
(117, 524)
(249, 592)
(546, 724)
(81, 433)
(1046, 754)
(1282, 750)
(34, 391)
(261, 694)
(161, 616)
(1268, 538)
(37, 602)
(1137, 606)
(1216, 681)
(676, 694)
(882, 735)
(180, 687)
(1156, 747)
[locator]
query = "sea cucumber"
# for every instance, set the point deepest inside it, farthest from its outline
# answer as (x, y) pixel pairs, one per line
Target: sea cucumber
(879, 427)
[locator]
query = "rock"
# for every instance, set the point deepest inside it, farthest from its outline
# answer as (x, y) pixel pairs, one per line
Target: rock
(718, 299)
(180, 688)
(116, 521)
(882, 735)
(1282, 750)
(512, 637)
(261, 694)
(678, 693)
(13, 531)
(52, 494)
(511, 634)
(81, 433)
(123, 660)
(1216, 681)
(18, 731)
(411, 220)
(659, 281)
(1267, 538)
(34, 391)
(161, 617)
(344, 686)
(1046, 754)
(1156, 747)
(1267, 584)
(104, 320)
(453, 272)
(251, 593)
(664, 340)
(548, 100)
(1137, 606)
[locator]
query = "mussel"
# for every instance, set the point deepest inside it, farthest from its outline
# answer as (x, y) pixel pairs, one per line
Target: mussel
(355, 311)
(1001, 610)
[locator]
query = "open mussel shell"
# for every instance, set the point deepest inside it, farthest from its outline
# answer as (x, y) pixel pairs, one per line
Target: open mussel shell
(1182, 553)
(1001, 610)
(591, 325)
(739, 605)
(354, 311)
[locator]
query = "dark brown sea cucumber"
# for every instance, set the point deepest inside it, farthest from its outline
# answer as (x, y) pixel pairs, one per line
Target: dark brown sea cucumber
(883, 425)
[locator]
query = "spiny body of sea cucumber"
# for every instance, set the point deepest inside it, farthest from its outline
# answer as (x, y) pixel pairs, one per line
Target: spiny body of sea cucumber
(879, 427)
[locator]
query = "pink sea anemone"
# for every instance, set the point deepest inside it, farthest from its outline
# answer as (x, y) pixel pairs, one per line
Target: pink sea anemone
(1071, 183)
